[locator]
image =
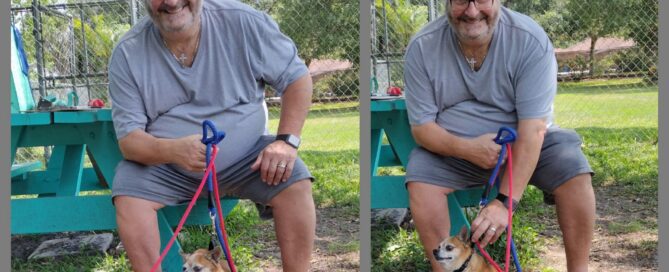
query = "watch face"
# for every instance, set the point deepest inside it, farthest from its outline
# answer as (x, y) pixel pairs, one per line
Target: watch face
(292, 140)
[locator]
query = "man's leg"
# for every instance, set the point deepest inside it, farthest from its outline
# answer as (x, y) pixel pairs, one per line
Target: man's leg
(138, 228)
(429, 209)
(575, 202)
(295, 225)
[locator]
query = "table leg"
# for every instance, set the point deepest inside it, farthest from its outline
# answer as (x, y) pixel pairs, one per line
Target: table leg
(16, 135)
(377, 135)
(172, 261)
(457, 215)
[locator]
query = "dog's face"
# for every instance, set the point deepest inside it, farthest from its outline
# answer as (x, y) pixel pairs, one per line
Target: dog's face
(203, 260)
(453, 251)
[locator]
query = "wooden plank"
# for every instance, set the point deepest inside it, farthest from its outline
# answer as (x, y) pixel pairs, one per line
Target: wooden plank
(71, 171)
(84, 213)
(39, 182)
(25, 168)
(388, 192)
(75, 117)
(31, 119)
(58, 214)
(377, 134)
(17, 132)
(200, 214)
(103, 148)
(56, 134)
(172, 261)
(387, 105)
(457, 215)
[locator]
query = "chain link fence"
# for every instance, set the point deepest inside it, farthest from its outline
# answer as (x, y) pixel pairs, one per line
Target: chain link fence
(602, 46)
(68, 47)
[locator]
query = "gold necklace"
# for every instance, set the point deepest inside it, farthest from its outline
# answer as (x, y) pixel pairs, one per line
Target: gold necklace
(472, 62)
(182, 58)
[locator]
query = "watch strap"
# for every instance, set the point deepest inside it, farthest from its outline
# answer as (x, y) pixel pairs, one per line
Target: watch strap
(505, 201)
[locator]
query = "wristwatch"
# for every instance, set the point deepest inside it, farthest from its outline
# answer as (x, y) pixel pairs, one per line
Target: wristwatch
(505, 201)
(290, 139)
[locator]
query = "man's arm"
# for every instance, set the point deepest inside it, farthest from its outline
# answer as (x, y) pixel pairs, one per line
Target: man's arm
(482, 150)
(187, 152)
(295, 103)
(526, 152)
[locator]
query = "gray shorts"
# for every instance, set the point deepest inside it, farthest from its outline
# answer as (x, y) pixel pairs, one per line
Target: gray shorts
(168, 185)
(560, 160)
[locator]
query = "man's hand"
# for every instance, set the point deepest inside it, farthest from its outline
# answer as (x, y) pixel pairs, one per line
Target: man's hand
(484, 152)
(276, 162)
(490, 223)
(189, 153)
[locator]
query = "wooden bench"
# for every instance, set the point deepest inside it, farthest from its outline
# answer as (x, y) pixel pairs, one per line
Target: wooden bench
(389, 119)
(65, 201)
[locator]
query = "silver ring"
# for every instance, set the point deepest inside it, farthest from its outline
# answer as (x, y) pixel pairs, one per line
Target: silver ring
(281, 165)
(493, 229)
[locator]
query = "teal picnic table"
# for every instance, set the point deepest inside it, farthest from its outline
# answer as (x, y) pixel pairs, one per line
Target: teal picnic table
(71, 195)
(389, 118)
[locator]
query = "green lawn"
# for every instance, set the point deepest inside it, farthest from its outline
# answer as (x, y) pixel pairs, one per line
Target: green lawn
(330, 149)
(617, 120)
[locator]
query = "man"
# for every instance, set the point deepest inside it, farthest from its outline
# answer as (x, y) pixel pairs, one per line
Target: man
(195, 60)
(467, 74)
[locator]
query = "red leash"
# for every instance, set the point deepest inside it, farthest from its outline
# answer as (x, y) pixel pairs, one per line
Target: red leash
(231, 262)
(509, 227)
(211, 167)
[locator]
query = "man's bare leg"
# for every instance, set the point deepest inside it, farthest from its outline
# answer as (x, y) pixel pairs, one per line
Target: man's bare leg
(295, 225)
(138, 228)
(429, 209)
(575, 204)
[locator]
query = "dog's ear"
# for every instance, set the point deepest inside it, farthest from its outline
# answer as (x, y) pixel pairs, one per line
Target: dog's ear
(216, 254)
(463, 234)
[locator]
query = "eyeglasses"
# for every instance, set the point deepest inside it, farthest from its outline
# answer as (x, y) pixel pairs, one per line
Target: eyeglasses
(479, 4)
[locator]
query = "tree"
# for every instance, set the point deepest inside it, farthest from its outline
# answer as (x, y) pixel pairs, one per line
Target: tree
(643, 29)
(596, 19)
(320, 29)
(404, 20)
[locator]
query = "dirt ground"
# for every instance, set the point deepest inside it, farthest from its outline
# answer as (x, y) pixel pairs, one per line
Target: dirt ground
(336, 247)
(632, 247)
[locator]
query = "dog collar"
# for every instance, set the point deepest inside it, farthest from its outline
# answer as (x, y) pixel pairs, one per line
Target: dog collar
(465, 264)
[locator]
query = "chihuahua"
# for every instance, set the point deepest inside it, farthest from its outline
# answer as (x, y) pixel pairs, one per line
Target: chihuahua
(203, 260)
(456, 254)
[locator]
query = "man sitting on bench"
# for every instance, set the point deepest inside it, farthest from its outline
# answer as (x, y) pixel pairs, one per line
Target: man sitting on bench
(209, 60)
(478, 68)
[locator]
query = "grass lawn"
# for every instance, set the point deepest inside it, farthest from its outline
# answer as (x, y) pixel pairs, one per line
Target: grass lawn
(617, 120)
(330, 149)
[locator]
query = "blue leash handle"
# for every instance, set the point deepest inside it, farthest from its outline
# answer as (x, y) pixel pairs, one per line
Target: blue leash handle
(505, 135)
(215, 138)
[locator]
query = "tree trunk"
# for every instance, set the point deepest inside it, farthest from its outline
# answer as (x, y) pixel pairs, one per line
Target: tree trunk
(593, 41)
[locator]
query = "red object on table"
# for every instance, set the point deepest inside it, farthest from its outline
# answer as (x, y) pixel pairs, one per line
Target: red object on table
(394, 91)
(96, 103)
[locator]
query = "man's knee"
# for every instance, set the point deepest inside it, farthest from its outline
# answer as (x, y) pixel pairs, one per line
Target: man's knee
(578, 184)
(425, 192)
(298, 190)
(129, 206)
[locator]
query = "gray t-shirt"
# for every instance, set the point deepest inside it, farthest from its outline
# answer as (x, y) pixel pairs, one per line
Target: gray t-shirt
(517, 80)
(240, 51)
